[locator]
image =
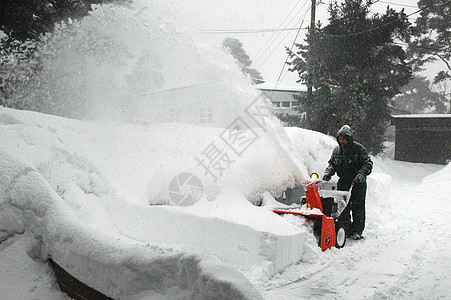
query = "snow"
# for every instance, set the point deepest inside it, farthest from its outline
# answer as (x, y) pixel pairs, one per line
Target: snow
(442, 176)
(64, 186)
(71, 184)
(85, 196)
(101, 198)
(404, 254)
(22, 276)
(423, 116)
(278, 87)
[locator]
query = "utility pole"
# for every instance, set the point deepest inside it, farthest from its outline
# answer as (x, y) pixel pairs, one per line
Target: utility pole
(311, 31)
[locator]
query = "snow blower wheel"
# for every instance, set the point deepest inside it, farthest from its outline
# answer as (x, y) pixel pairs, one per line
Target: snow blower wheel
(340, 240)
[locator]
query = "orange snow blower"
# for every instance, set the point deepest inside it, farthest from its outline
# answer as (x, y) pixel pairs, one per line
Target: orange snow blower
(324, 211)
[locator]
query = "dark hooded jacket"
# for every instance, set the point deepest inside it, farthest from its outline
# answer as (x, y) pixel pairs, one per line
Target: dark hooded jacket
(350, 160)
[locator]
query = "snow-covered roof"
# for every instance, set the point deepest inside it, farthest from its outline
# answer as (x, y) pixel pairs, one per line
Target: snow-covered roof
(422, 116)
(276, 87)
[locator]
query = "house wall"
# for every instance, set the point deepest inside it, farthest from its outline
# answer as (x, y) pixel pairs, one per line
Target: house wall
(212, 104)
(281, 98)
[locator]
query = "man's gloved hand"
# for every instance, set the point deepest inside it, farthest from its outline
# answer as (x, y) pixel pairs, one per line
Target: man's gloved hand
(359, 178)
(327, 177)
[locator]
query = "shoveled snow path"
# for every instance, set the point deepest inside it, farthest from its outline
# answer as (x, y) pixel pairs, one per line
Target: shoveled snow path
(404, 256)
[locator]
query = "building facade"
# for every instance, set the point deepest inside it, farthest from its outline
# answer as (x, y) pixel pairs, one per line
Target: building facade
(282, 97)
(423, 138)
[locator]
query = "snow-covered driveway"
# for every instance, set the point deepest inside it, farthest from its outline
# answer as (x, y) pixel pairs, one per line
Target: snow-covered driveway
(404, 255)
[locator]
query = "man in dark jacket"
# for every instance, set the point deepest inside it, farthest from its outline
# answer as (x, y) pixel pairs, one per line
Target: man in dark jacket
(352, 163)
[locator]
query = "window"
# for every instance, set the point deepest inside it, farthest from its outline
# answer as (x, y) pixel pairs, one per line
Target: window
(206, 115)
(286, 104)
(175, 114)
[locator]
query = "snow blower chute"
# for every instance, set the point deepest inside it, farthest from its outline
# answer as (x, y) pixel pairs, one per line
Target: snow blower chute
(325, 211)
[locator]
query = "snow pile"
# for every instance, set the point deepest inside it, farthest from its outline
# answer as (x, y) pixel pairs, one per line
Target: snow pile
(443, 176)
(83, 190)
(114, 266)
(23, 276)
(67, 182)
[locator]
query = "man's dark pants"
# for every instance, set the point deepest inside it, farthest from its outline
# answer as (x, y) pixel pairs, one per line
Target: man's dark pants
(356, 205)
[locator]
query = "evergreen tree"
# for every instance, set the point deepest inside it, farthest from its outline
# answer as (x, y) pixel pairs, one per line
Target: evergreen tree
(433, 36)
(28, 25)
(355, 69)
(235, 48)
(19, 64)
(289, 120)
(28, 19)
(417, 97)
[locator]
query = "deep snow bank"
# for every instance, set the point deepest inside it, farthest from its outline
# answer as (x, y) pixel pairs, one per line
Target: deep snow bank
(115, 267)
(66, 181)
(84, 189)
(442, 176)
(22, 276)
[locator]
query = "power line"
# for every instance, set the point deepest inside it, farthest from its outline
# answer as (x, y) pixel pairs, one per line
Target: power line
(261, 60)
(375, 28)
(280, 26)
(418, 46)
(403, 5)
(272, 39)
(264, 30)
(386, 2)
(288, 55)
(237, 31)
(371, 29)
(259, 30)
(267, 46)
(277, 47)
(276, 32)
(291, 48)
(393, 3)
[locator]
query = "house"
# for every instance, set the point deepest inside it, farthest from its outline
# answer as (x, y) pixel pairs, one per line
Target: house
(210, 104)
(282, 96)
(424, 138)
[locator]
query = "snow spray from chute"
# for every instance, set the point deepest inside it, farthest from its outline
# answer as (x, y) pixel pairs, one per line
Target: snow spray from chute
(129, 65)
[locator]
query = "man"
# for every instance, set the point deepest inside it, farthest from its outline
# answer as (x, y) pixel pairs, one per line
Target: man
(352, 163)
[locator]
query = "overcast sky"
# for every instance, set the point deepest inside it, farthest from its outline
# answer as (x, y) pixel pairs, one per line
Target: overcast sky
(248, 21)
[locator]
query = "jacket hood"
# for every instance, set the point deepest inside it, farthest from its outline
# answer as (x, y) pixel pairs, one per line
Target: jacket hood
(347, 133)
